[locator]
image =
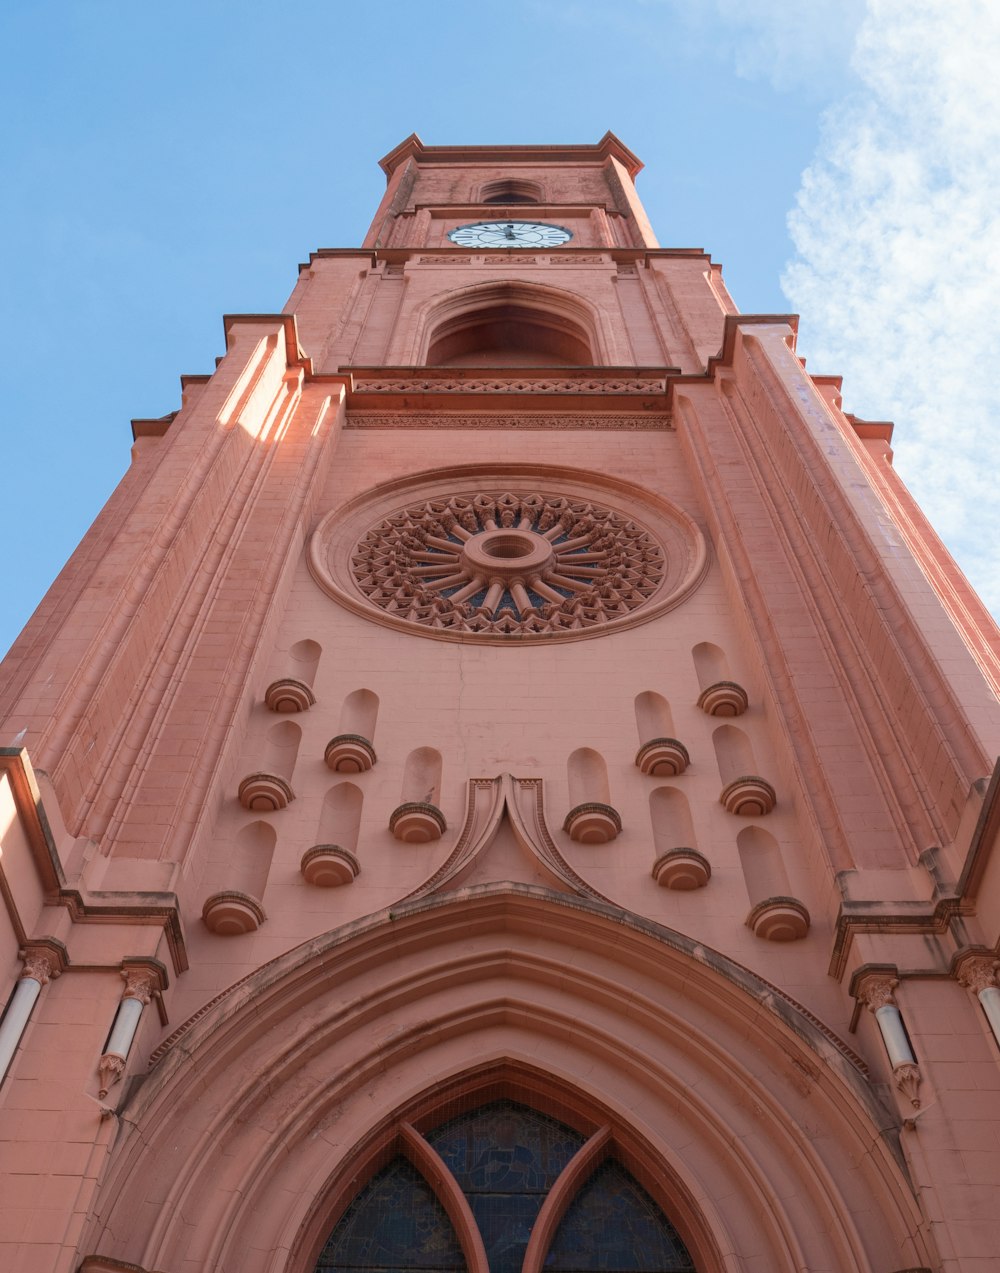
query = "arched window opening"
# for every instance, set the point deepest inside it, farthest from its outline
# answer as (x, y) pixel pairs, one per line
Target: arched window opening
(505, 1158)
(613, 1214)
(511, 1165)
(395, 1222)
(511, 190)
(509, 334)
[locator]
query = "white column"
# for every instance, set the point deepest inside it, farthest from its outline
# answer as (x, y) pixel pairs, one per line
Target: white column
(875, 992)
(989, 997)
(890, 1024)
(140, 985)
(37, 971)
(978, 973)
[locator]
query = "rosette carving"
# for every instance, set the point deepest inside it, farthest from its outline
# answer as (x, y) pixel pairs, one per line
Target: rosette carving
(508, 564)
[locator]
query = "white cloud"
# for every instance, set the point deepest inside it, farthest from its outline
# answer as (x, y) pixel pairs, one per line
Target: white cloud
(800, 46)
(897, 273)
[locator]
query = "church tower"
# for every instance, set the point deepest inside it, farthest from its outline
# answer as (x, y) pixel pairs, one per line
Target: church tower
(507, 782)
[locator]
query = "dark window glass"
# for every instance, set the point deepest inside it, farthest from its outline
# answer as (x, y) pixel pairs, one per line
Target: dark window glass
(614, 1225)
(506, 1158)
(395, 1224)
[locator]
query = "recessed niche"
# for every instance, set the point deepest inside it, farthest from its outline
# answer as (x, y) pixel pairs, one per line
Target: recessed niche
(774, 914)
(678, 865)
(417, 819)
(591, 819)
(744, 792)
(293, 692)
(719, 694)
(269, 789)
(352, 749)
(660, 755)
(332, 861)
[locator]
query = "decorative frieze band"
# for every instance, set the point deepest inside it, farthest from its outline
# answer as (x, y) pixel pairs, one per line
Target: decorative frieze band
(445, 258)
(439, 420)
(521, 385)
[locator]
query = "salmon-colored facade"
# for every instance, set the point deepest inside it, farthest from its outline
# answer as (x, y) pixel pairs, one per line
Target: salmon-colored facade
(510, 680)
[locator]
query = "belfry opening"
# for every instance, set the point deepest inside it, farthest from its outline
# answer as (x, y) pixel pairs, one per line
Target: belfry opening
(508, 326)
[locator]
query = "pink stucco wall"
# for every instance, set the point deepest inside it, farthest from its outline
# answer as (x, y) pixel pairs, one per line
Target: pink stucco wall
(724, 1033)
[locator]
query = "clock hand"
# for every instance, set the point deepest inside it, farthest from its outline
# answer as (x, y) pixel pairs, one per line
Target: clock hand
(509, 231)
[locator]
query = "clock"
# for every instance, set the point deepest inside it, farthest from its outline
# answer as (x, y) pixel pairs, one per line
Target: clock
(510, 234)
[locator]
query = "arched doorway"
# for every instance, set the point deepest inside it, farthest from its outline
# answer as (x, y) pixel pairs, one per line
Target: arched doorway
(262, 1119)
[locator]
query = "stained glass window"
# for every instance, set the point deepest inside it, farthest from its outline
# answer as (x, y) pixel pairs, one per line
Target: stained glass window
(614, 1225)
(505, 1158)
(395, 1223)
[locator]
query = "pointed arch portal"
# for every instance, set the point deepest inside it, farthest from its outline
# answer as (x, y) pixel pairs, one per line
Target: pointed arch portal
(746, 1124)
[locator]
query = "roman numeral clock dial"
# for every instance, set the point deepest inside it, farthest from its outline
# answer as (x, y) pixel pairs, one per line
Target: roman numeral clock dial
(510, 234)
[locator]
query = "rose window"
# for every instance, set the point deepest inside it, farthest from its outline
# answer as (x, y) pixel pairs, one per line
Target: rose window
(509, 563)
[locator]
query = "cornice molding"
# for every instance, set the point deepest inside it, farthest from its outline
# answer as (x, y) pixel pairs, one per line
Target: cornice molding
(609, 147)
(144, 908)
(933, 917)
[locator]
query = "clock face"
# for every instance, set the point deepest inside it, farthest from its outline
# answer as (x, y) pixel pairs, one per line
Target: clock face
(510, 234)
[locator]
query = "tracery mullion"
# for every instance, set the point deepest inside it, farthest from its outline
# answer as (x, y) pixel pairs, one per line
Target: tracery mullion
(562, 1193)
(433, 1169)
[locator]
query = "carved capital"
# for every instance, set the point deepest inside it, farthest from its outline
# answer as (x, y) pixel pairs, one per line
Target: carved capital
(44, 959)
(907, 1080)
(145, 978)
(875, 991)
(140, 984)
(976, 970)
(38, 968)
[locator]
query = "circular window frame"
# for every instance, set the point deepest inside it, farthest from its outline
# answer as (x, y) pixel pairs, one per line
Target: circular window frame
(337, 535)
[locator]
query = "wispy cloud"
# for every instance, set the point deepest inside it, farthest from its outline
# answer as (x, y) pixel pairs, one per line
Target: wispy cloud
(897, 234)
(803, 47)
(792, 46)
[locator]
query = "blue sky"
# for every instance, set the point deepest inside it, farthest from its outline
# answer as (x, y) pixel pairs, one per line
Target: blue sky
(168, 164)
